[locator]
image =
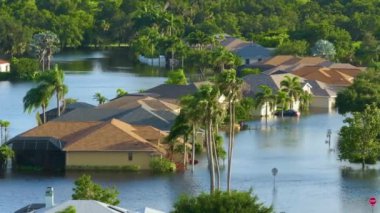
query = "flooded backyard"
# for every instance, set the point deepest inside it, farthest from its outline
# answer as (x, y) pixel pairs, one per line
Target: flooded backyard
(310, 176)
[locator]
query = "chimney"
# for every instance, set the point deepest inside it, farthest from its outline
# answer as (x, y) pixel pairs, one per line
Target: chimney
(49, 197)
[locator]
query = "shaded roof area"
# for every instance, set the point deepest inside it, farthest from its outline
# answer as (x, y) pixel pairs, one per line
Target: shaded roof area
(171, 91)
(94, 114)
(31, 208)
(52, 113)
(245, 49)
(141, 115)
(160, 119)
(113, 135)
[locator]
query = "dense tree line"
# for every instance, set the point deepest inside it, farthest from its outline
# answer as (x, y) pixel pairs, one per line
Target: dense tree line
(163, 26)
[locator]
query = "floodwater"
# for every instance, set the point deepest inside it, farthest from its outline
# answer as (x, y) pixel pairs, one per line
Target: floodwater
(310, 177)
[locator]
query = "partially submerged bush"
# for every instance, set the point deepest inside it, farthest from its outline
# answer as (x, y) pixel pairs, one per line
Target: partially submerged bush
(235, 201)
(162, 165)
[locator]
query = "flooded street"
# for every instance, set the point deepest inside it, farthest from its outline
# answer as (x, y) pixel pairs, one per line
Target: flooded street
(310, 176)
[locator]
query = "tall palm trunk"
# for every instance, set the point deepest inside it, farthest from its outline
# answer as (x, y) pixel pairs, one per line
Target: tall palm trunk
(58, 107)
(210, 157)
(193, 150)
(1, 133)
(184, 153)
(215, 155)
(229, 149)
(44, 113)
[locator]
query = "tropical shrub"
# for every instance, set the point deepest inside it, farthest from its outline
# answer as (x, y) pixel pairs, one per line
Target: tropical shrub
(5, 153)
(162, 165)
(85, 189)
(24, 68)
(235, 201)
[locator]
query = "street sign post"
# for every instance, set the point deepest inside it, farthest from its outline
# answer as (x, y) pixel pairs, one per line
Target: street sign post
(274, 173)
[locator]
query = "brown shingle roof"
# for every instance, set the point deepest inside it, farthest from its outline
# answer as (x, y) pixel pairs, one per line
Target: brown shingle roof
(329, 76)
(113, 135)
(292, 60)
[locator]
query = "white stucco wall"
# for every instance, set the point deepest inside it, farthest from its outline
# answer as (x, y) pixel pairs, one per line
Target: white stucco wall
(323, 102)
(5, 67)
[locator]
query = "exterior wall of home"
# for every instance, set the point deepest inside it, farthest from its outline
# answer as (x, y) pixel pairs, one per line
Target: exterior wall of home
(140, 159)
(262, 111)
(5, 67)
(322, 102)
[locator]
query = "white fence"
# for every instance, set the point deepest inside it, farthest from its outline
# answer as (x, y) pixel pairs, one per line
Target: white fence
(156, 62)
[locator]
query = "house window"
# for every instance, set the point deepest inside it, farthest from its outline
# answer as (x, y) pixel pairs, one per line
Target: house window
(130, 156)
(247, 61)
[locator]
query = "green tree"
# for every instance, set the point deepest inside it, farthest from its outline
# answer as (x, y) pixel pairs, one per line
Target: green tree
(99, 98)
(176, 77)
(120, 92)
(36, 98)
(219, 202)
(230, 86)
(364, 91)
(14, 37)
(360, 137)
(54, 81)
(86, 189)
(23, 68)
(283, 100)
(305, 99)
(5, 153)
(222, 57)
(43, 46)
(296, 47)
(292, 86)
(70, 209)
(265, 98)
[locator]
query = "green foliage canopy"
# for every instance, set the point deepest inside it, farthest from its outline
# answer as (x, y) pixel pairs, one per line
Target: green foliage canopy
(218, 201)
(85, 189)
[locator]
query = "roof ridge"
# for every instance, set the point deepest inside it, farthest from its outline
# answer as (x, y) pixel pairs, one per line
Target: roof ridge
(118, 124)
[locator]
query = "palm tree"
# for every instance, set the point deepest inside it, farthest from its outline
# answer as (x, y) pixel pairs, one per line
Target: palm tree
(181, 128)
(54, 80)
(1, 131)
(193, 118)
(265, 98)
(292, 86)
(100, 98)
(208, 103)
(37, 97)
(120, 92)
(222, 57)
(283, 100)
(230, 86)
(6, 124)
(305, 98)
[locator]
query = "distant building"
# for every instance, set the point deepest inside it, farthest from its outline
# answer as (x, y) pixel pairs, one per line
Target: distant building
(5, 66)
(322, 95)
(249, 52)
